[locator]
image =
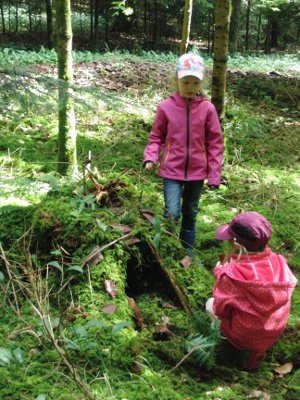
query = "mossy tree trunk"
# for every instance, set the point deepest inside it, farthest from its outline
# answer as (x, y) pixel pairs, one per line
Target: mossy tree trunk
(234, 25)
(186, 27)
(67, 157)
(222, 21)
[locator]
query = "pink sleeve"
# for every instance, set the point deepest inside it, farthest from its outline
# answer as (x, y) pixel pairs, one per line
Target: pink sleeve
(223, 293)
(214, 147)
(157, 137)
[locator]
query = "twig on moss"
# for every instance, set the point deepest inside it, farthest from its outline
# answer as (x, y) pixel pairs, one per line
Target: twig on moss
(7, 266)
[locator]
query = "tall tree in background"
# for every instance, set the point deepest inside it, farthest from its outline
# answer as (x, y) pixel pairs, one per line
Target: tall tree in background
(234, 25)
(49, 23)
(67, 158)
(186, 27)
(221, 37)
(247, 24)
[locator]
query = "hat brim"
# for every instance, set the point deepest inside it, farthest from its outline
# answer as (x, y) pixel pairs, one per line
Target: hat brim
(223, 233)
(196, 74)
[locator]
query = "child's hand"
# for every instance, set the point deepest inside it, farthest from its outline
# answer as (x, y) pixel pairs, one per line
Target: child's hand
(213, 187)
(148, 166)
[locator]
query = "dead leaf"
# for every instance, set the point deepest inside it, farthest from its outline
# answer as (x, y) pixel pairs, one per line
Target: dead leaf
(122, 228)
(132, 240)
(148, 215)
(284, 369)
(111, 288)
(186, 262)
(109, 308)
(94, 257)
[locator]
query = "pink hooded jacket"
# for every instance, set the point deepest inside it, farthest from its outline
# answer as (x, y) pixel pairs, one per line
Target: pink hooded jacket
(189, 133)
(252, 297)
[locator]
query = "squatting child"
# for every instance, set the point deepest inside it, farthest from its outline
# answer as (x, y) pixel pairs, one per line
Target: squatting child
(253, 288)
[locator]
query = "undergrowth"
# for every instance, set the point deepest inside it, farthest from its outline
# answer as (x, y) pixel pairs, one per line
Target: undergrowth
(49, 226)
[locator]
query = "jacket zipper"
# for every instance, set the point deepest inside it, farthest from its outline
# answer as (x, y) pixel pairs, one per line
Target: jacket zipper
(187, 140)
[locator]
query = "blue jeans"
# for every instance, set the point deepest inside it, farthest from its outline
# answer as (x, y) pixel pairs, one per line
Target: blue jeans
(190, 193)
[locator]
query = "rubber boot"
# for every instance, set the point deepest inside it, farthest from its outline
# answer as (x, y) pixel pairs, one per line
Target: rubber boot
(187, 239)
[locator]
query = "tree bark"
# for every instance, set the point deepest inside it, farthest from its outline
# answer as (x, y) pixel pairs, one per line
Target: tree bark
(234, 25)
(67, 158)
(186, 27)
(221, 37)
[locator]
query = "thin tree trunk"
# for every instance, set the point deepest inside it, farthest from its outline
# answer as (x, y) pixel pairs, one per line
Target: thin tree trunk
(106, 15)
(247, 25)
(268, 36)
(222, 21)
(186, 27)
(154, 28)
(96, 24)
(258, 31)
(92, 23)
(2, 18)
(30, 17)
(210, 30)
(49, 24)
(67, 159)
(234, 25)
(9, 18)
(17, 16)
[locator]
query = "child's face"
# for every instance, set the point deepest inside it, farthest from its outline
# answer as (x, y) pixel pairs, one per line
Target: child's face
(189, 86)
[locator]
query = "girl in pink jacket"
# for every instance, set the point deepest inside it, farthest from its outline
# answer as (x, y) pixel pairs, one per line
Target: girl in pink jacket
(187, 132)
(253, 289)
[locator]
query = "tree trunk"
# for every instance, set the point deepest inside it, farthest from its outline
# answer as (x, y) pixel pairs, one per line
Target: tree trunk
(67, 158)
(96, 24)
(210, 30)
(268, 37)
(222, 21)
(274, 33)
(17, 16)
(29, 17)
(106, 16)
(92, 23)
(2, 18)
(154, 27)
(49, 24)
(186, 27)
(234, 25)
(258, 31)
(9, 18)
(247, 25)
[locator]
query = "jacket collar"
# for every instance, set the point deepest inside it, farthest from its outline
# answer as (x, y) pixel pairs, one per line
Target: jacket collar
(252, 256)
(183, 101)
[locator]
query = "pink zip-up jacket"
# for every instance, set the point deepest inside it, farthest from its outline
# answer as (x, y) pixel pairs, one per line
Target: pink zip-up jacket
(189, 134)
(252, 297)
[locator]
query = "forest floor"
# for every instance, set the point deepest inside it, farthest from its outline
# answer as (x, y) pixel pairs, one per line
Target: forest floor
(65, 311)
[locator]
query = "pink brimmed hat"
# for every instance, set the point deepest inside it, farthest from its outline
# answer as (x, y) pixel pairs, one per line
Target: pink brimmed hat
(250, 229)
(190, 65)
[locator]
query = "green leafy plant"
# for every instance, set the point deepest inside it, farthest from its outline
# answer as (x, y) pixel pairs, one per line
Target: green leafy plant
(203, 346)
